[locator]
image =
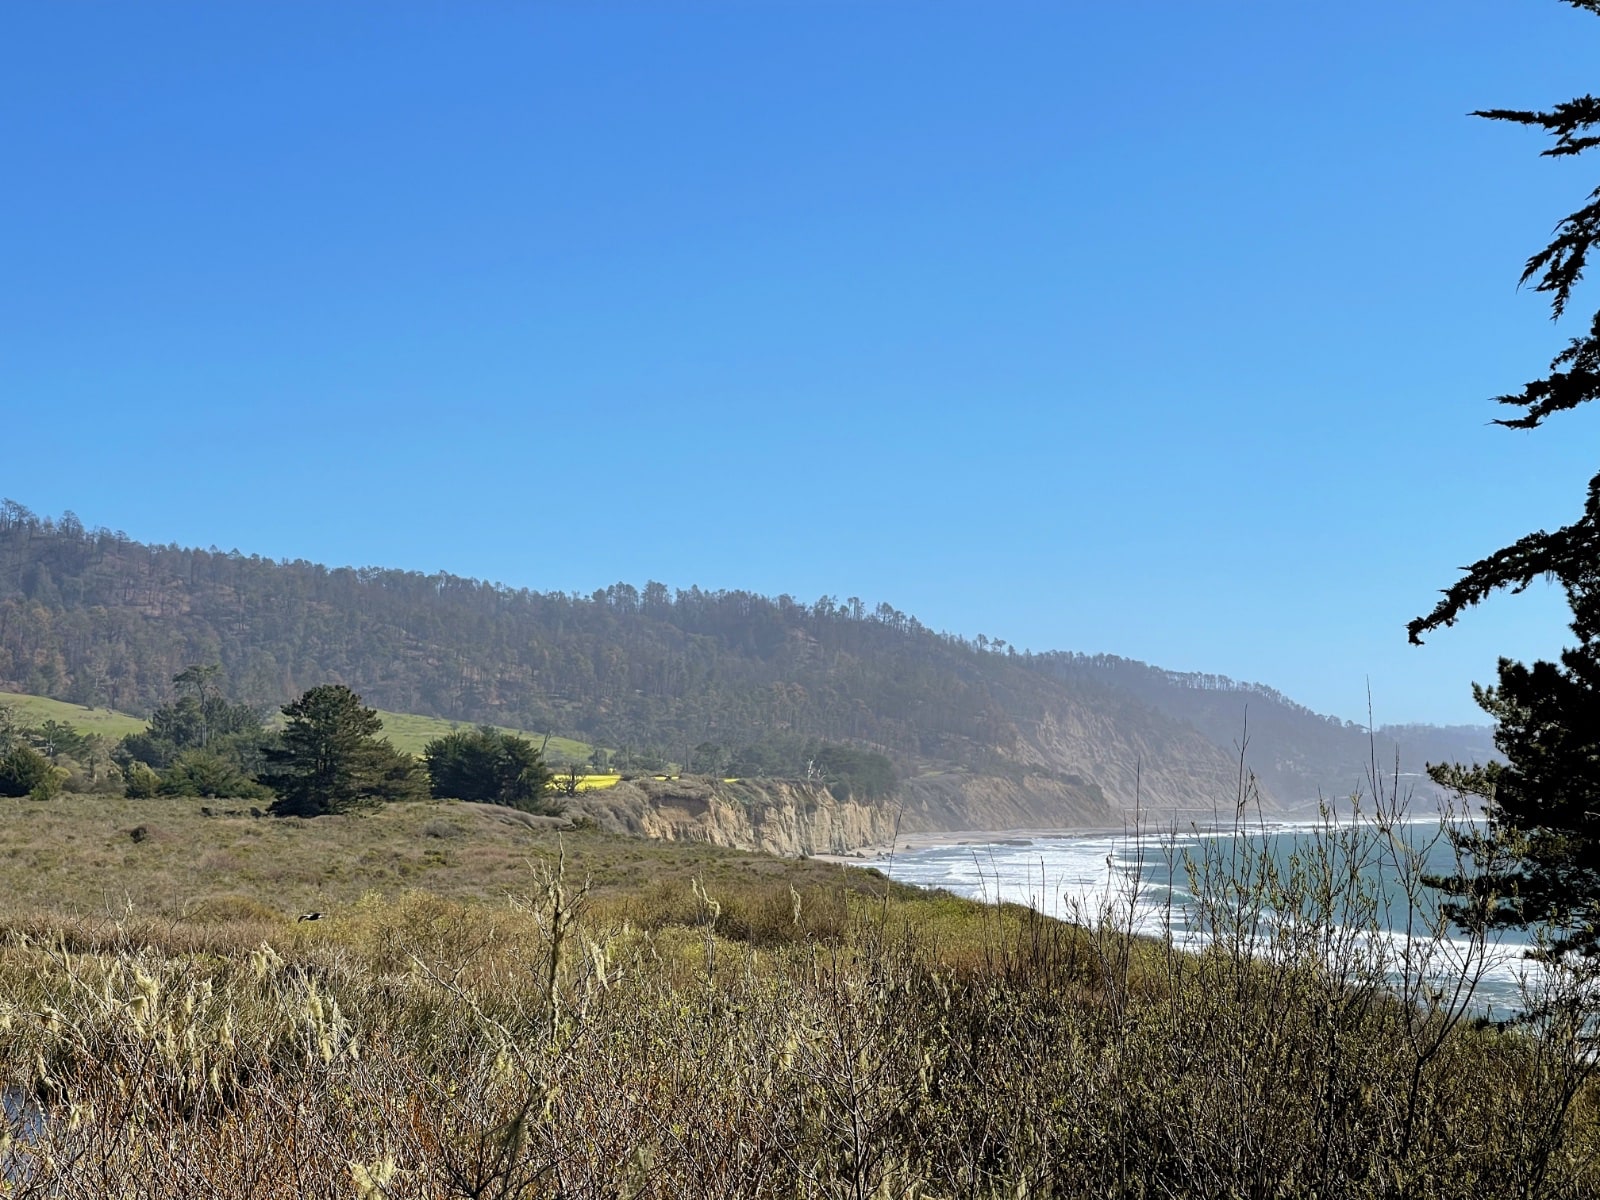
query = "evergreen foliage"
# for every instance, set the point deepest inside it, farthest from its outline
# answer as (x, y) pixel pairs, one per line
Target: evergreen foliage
(23, 769)
(489, 766)
(330, 758)
(206, 774)
(56, 739)
(139, 782)
(846, 770)
(199, 744)
(1539, 859)
(190, 724)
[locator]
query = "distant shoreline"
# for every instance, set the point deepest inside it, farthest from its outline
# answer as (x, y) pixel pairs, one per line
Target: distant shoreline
(932, 839)
(928, 840)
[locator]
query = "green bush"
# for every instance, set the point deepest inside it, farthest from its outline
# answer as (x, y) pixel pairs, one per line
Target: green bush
(202, 774)
(48, 788)
(140, 782)
(490, 767)
(23, 770)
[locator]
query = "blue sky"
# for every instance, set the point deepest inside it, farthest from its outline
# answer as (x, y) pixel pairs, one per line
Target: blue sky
(1154, 328)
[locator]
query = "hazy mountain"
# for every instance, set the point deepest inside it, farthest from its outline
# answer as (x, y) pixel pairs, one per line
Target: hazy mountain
(1298, 755)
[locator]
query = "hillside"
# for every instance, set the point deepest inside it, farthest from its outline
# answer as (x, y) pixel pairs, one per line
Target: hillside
(1298, 755)
(409, 732)
(37, 710)
(92, 617)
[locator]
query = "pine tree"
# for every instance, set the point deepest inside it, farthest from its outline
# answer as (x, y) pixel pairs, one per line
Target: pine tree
(330, 758)
(1538, 861)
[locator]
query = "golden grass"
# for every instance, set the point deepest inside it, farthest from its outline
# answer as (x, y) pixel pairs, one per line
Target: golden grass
(80, 854)
(469, 1020)
(451, 1050)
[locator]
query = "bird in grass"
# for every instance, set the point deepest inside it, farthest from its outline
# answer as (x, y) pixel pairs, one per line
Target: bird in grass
(312, 916)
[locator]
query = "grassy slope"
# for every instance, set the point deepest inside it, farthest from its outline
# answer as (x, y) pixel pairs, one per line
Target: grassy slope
(79, 854)
(411, 733)
(408, 731)
(35, 710)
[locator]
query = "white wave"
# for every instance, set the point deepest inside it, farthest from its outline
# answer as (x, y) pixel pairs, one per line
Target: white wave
(1116, 880)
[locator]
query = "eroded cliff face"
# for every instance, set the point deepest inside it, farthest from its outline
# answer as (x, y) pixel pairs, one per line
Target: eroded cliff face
(956, 799)
(774, 816)
(1068, 766)
(792, 818)
(1154, 765)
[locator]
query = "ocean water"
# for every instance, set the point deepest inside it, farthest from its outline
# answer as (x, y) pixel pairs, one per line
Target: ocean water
(1350, 892)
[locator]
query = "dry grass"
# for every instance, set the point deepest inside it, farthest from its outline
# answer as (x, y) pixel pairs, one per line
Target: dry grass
(79, 855)
(706, 1024)
(419, 1050)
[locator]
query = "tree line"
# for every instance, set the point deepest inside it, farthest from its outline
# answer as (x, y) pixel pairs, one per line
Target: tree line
(94, 617)
(328, 757)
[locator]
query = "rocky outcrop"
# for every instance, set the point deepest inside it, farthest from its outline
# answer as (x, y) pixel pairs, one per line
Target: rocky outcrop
(775, 816)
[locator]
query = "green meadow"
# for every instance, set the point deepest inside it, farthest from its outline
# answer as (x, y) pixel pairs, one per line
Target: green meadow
(36, 710)
(409, 731)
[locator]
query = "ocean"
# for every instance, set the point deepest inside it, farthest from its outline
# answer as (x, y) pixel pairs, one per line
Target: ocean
(1349, 891)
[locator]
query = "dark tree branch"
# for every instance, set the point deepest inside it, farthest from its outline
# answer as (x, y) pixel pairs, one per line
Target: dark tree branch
(1568, 554)
(1574, 377)
(1560, 264)
(1563, 121)
(1573, 380)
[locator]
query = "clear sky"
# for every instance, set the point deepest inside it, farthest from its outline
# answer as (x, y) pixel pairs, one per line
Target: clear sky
(1156, 328)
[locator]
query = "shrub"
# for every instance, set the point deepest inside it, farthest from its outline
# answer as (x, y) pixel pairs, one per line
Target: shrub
(23, 770)
(140, 782)
(48, 788)
(490, 767)
(200, 773)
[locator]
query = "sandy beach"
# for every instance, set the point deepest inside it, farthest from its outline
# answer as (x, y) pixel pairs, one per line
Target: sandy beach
(964, 837)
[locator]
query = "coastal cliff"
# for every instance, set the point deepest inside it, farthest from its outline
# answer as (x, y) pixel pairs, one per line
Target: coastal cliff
(789, 818)
(793, 817)
(1025, 798)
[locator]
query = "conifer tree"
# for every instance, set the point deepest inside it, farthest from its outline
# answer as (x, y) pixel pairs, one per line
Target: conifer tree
(330, 758)
(1538, 860)
(491, 767)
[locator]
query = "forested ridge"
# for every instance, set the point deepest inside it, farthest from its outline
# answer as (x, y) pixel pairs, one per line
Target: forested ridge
(96, 618)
